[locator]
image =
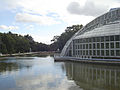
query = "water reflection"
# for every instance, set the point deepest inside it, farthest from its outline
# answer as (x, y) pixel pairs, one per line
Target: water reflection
(41, 73)
(94, 77)
(38, 73)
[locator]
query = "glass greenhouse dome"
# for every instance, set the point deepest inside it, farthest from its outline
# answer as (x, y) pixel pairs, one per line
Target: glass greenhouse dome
(100, 38)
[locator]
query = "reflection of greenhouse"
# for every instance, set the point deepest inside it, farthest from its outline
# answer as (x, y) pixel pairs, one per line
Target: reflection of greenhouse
(100, 38)
(94, 77)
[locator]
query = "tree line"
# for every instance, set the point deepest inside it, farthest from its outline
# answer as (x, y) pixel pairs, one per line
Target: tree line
(14, 43)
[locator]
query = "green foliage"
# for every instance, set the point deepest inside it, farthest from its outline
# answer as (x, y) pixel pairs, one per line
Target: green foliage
(14, 43)
(59, 41)
(3, 48)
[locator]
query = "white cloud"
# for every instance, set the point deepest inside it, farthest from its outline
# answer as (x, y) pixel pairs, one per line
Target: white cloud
(4, 27)
(89, 9)
(50, 12)
(39, 11)
(44, 39)
(30, 27)
(29, 18)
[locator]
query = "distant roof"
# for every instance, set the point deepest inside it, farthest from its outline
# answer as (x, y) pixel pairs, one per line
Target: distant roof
(113, 9)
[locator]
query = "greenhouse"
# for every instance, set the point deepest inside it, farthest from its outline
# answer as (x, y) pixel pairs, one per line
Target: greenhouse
(100, 38)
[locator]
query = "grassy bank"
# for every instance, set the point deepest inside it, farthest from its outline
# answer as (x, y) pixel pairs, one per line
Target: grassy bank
(30, 54)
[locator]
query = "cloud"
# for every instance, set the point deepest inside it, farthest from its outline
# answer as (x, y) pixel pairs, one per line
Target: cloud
(51, 11)
(30, 27)
(4, 27)
(42, 38)
(66, 11)
(30, 18)
(89, 9)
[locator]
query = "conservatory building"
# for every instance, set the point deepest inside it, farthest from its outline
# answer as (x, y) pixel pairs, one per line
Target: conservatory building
(100, 38)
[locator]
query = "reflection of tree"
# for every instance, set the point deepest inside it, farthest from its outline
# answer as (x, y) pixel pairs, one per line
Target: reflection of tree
(91, 77)
(8, 66)
(12, 66)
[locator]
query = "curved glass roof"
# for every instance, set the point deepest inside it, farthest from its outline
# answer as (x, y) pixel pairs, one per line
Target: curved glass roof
(106, 30)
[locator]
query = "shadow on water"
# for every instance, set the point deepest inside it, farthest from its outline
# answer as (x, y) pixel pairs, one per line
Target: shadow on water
(94, 77)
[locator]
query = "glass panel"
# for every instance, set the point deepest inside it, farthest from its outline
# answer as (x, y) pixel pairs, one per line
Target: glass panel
(86, 46)
(83, 52)
(117, 38)
(94, 52)
(90, 52)
(75, 52)
(102, 45)
(98, 52)
(90, 46)
(87, 40)
(75, 46)
(86, 52)
(98, 39)
(102, 52)
(90, 39)
(107, 45)
(94, 46)
(83, 40)
(83, 46)
(107, 52)
(78, 52)
(107, 38)
(80, 41)
(117, 45)
(80, 46)
(112, 52)
(98, 45)
(94, 39)
(102, 39)
(76, 40)
(112, 45)
(111, 38)
(117, 52)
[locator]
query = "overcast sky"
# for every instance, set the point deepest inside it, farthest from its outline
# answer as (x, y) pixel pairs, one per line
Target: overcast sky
(43, 19)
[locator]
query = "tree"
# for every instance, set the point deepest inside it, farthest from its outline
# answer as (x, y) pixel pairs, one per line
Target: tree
(9, 42)
(3, 48)
(59, 41)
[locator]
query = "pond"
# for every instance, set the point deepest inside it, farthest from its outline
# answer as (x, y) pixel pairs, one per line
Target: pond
(42, 73)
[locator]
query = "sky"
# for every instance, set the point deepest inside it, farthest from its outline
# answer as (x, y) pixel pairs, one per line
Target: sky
(43, 19)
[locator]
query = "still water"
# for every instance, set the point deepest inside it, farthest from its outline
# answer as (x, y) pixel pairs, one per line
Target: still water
(42, 73)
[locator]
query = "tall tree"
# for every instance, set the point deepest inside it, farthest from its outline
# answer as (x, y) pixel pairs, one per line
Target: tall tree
(59, 41)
